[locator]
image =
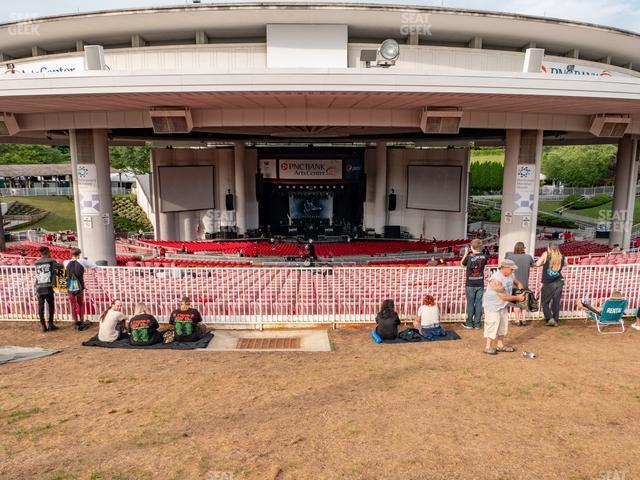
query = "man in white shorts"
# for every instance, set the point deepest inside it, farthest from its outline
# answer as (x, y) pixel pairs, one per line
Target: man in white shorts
(495, 303)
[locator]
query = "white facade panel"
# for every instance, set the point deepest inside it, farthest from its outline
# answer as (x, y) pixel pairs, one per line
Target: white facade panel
(307, 46)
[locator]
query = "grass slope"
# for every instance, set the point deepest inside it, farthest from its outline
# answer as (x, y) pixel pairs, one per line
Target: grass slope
(61, 213)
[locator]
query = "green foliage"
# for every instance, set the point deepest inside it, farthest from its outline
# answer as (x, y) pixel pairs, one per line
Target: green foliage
(486, 177)
(552, 221)
(131, 159)
(26, 154)
(570, 199)
(580, 165)
(128, 216)
(591, 202)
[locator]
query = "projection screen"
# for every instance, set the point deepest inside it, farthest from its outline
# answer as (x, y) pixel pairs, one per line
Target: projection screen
(434, 187)
(186, 188)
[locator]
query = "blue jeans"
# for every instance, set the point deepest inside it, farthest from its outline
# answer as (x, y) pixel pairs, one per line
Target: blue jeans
(474, 306)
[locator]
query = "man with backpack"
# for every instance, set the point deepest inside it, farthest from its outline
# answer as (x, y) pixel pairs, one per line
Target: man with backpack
(74, 272)
(45, 280)
(474, 261)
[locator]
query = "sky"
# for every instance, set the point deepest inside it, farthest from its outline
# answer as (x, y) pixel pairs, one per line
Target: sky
(615, 13)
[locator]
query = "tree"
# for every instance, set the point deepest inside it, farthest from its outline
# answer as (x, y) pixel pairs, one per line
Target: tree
(579, 165)
(131, 159)
(25, 154)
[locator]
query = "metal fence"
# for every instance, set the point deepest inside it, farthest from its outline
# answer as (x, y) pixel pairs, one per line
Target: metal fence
(51, 191)
(271, 296)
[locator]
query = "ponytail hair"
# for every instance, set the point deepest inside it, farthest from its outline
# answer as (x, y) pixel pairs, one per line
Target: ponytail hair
(104, 314)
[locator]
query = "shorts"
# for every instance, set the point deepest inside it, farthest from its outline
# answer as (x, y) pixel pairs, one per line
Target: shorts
(496, 324)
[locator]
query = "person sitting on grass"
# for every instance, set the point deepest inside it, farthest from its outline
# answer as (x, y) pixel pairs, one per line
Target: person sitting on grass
(387, 321)
(187, 322)
(597, 309)
(636, 325)
(112, 323)
(496, 306)
(428, 314)
(143, 327)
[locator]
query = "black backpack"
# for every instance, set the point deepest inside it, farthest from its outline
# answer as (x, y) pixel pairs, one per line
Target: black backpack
(410, 335)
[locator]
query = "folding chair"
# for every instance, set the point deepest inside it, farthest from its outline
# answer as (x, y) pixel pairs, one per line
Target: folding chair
(612, 312)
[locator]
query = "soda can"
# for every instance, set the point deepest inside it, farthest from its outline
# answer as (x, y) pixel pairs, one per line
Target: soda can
(529, 354)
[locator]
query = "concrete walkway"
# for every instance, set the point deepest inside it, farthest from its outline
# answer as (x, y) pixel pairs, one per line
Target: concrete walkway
(310, 340)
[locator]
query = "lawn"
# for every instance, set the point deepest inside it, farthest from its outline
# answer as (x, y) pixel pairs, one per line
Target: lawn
(550, 206)
(439, 411)
(61, 213)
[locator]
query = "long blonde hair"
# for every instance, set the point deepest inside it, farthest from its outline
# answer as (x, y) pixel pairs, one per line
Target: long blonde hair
(104, 314)
(555, 257)
(139, 309)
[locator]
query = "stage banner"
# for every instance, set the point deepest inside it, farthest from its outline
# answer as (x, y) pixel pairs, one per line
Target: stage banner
(310, 169)
(353, 168)
(310, 205)
(268, 168)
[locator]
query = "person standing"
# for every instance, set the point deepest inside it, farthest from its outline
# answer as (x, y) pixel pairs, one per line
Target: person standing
(475, 261)
(45, 279)
(524, 261)
(552, 263)
(74, 271)
(496, 305)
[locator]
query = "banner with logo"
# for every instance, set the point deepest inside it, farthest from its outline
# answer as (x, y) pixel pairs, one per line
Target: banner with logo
(62, 65)
(88, 189)
(310, 169)
(353, 168)
(556, 68)
(525, 189)
(268, 168)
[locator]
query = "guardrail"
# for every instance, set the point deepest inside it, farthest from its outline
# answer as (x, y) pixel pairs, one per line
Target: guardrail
(51, 192)
(290, 296)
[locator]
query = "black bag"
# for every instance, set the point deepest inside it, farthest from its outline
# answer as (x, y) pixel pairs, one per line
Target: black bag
(410, 335)
(530, 302)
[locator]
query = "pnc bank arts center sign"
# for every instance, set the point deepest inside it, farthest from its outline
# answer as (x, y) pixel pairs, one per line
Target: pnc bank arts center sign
(310, 169)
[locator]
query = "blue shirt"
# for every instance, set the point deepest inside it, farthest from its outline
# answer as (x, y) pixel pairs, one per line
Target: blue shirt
(491, 301)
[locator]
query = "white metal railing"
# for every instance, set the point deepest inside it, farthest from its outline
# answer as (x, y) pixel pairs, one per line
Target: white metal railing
(51, 191)
(261, 296)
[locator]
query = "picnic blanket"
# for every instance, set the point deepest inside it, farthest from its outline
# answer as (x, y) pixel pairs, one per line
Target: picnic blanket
(124, 343)
(450, 335)
(11, 354)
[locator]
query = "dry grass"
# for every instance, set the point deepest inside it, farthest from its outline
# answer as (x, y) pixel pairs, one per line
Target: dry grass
(364, 411)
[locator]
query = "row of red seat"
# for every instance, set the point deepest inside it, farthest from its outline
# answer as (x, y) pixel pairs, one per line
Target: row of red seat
(264, 248)
(29, 252)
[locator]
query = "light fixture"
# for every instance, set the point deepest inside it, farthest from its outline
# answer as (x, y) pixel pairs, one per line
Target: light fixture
(385, 56)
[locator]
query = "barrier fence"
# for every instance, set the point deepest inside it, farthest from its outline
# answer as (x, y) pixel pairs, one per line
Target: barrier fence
(269, 296)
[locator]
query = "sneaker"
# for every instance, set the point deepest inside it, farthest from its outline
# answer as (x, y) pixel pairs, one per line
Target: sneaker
(52, 327)
(552, 323)
(464, 325)
(43, 328)
(84, 325)
(635, 326)
(490, 351)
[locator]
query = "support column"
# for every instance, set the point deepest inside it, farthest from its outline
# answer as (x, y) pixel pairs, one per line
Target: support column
(92, 194)
(520, 189)
(241, 201)
(381, 187)
(624, 193)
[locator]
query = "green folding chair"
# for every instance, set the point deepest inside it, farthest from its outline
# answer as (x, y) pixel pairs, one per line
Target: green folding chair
(612, 312)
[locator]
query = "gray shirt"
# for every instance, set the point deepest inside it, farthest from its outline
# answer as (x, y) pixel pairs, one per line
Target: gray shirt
(524, 261)
(491, 301)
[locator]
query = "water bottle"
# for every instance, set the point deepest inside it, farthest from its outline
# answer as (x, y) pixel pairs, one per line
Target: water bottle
(526, 354)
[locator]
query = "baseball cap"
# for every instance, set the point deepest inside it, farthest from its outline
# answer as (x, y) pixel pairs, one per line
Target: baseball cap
(506, 263)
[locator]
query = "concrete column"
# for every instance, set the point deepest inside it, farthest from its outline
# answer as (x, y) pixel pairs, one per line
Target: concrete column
(92, 194)
(624, 193)
(240, 196)
(188, 225)
(520, 189)
(380, 197)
